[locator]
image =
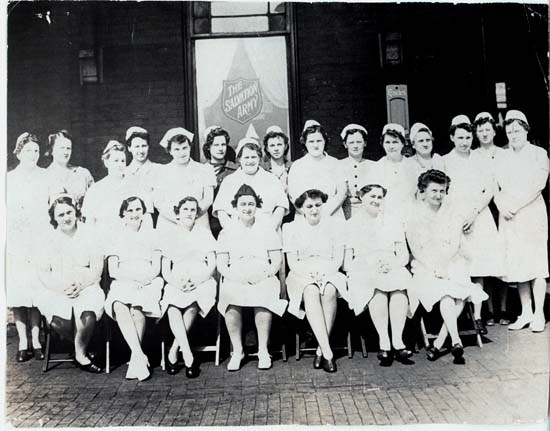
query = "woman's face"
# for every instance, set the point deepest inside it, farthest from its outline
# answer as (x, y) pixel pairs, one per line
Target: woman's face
(250, 161)
(180, 152)
(62, 150)
(423, 143)
(485, 133)
(462, 140)
(434, 194)
(315, 145)
(312, 209)
(29, 154)
(139, 149)
(116, 163)
(276, 147)
(517, 135)
(133, 214)
(392, 147)
(188, 213)
(372, 200)
(355, 144)
(218, 149)
(246, 208)
(65, 216)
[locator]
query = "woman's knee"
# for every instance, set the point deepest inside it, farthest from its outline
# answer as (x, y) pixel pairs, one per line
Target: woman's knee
(330, 291)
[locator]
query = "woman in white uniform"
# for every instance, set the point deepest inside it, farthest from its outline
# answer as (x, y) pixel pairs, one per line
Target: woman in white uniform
(70, 268)
(355, 167)
(522, 174)
(375, 259)
(471, 190)
(440, 263)
(188, 265)
(314, 246)
(423, 143)
(317, 170)
(249, 256)
(27, 206)
(135, 292)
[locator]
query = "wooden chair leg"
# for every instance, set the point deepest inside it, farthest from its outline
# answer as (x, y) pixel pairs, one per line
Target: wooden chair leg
(473, 321)
(350, 349)
(363, 346)
(46, 361)
(297, 346)
(107, 345)
(424, 333)
(218, 340)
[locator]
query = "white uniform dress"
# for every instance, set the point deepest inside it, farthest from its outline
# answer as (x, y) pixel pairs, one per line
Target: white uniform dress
(187, 250)
(69, 259)
(356, 175)
(135, 252)
(248, 254)
(318, 249)
(521, 176)
(174, 182)
(472, 186)
(143, 176)
(26, 218)
(372, 240)
(75, 180)
(435, 243)
(419, 165)
(266, 185)
(308, 173)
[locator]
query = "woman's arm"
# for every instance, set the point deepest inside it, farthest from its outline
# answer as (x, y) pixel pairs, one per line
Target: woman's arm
(155, 267)
(222, 263)
(538, 173)
(224, 218)
(277, 217)
(348, 258)
(401, 253)
(334, 203)
(208, 271)
(166, 271)
(207, 199)
(275, 259)
(338, 257)
(93, 273)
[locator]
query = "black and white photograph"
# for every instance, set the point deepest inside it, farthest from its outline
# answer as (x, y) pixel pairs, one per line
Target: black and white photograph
(230, 214)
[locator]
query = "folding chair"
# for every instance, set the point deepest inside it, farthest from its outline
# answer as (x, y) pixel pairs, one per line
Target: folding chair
(48, 351)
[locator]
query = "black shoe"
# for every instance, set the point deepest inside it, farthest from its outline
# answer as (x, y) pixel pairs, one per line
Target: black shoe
(480, 326)
(403, 356)
(458, 353)
(385, 358)
(193, 371)
(317, 361)
(38, 355)
(329, 365)
(433, 353)
(23, 355)
(90, 368)
(171, 368)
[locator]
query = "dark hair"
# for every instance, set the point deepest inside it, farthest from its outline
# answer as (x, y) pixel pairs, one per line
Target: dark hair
(184, 200)
(23, 140)
(177, 139)
(433, 176)
(351, 132)
(365, 189)
(66, 200)
(250, 146)
(218, 131)
(142, 135)
(520, 122)
(393, 134)
(272, 135)
(424, 129)
(54, 137)
(483, 120)
(246, 190)
(465, 126)
(311, 194)
(126, 203)
(314, 129)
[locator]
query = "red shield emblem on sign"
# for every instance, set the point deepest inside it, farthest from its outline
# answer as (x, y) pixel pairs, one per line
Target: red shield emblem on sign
(242, 99)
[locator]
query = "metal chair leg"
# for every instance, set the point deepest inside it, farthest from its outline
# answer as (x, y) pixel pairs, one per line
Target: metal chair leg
(297, 346)
(363, 346)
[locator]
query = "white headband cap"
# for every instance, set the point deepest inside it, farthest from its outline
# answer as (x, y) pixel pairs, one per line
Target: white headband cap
(274, 129)
(483, 115)
(112, 144)
(460, 119)
(244, 141)
(416, 127)
(394, 127)
(310, 123)
(134, 129)
(514, 114)
(351, 126)
(174, 132)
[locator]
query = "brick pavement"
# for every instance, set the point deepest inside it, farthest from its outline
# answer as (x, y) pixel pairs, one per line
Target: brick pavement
(504, 382)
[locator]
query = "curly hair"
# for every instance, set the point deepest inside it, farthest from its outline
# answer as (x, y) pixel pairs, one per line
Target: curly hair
(433, 176)
(351, 132)
(246, 190)
(250, 146)
(126, 203)
(142, 135)
(23, 140)
(465, 126)
(272, 135)
(393, 134)
(65, 200)
(365, 189)
(484, 120)
(177, 207)
(311, 194)
(314, 129)
(218, 131)
(177, 139)
(52, 138)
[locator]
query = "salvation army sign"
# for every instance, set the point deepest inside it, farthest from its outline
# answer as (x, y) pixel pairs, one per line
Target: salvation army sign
(241, 99)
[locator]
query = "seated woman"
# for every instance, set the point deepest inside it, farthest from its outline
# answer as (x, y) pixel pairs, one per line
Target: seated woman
(314, 246)
(440, 266)
(188, 264)
(134, 266)
(249, 256)
(375, 258)
(70, 268)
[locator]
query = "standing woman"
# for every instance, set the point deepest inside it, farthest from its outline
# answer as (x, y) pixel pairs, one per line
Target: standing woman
(188, 265)
(471, 190)
(522, 174)
(266, 185)
(424, 159)
(136, 289)
(249, 256)
(317, 170)
(490, 154)
(276, 147)
(61, 174)
(70, 269)
(27, 205)
(355, 167)
(314, 246)
(180, 178)
(375, 258)
(439, 266)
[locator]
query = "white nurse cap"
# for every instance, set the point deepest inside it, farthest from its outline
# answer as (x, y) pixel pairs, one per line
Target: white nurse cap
(395, 128)
(351, 126)
(514, 114)
(417, 127)
(460, 119)
(134, 130)
(310, 123)
(175, 132)
(483, 116)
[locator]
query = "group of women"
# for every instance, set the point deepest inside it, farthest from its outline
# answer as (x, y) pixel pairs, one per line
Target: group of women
(385, 236)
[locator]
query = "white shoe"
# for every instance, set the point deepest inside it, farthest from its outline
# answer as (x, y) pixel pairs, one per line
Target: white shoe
(537, 324)
(138, 368)
(264, 361)
(521, 323)
(234, 363)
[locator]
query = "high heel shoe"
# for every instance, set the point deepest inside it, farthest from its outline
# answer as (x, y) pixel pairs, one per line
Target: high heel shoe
(171, 368)
(23, 355)
(317, 361)
(234, 363)
(193, 371)
(458, 353)
(329, 365)
(385, 358)
(403, 356)
(433, 353)
(38, 354)
(90, 368)
(521, 322)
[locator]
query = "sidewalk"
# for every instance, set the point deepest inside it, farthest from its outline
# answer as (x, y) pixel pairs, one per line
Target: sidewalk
(504, 382)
